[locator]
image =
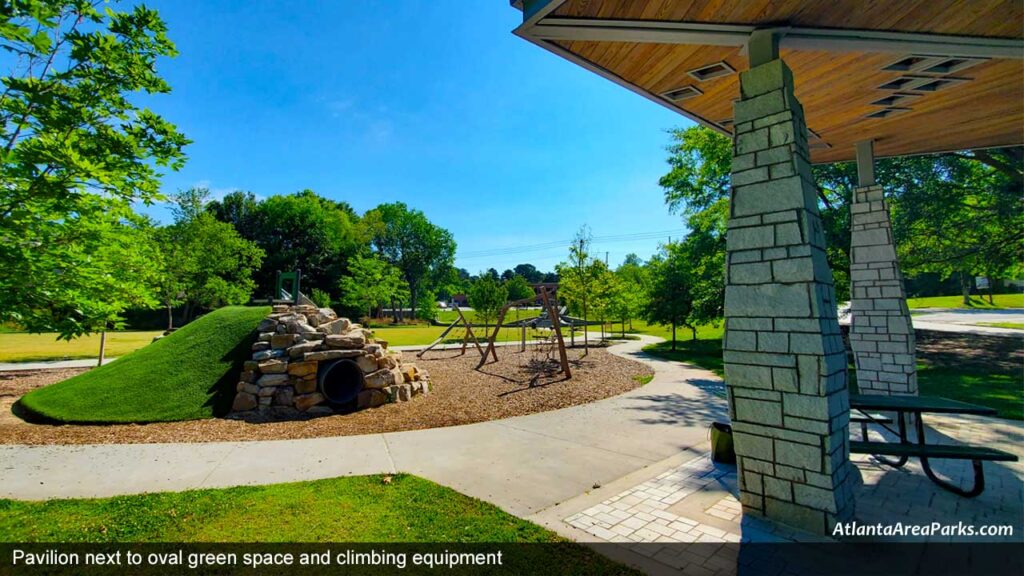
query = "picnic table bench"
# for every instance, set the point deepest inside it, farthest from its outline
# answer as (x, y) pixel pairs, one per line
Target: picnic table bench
(903, 450)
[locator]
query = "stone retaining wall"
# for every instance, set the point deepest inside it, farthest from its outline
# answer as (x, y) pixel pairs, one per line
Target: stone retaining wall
(280, 382)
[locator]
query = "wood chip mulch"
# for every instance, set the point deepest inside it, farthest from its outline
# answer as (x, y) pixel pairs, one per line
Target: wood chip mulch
(516, 385)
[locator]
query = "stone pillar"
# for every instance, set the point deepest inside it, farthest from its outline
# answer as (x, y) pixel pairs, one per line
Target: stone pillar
(785, 364)
(881, 332)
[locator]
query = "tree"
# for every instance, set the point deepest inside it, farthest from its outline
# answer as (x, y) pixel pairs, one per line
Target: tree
(578, 275)
(636, 281)
(306, 232)
(76, 151)
(320, 297)
(507, 274)
(207, 264)
(487, 296)
(629, 293)
(423, 251)
(519, 288)
(671, 301)
(604, 292)
(239, 209)
(975, 192)
(530, 272)
(427, 308)
(372, 283)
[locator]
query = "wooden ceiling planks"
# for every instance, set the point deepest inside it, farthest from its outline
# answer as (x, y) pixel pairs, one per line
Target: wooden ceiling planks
(836, 88)
(991, 18)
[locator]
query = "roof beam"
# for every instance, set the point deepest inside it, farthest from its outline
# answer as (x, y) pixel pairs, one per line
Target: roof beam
(830, 39)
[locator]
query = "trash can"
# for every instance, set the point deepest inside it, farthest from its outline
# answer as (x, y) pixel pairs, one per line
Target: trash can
(721, 443)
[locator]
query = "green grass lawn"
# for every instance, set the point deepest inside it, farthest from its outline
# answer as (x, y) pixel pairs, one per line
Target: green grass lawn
(352, 509)
(977, 302)
(1010, 325)
(24, 347)
(189, 374)
(705, 351)
(449, 316)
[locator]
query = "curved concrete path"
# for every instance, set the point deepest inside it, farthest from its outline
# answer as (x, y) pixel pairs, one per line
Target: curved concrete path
(523, 464)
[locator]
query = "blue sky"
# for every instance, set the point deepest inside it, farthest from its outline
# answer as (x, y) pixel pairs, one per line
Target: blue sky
(435, 104)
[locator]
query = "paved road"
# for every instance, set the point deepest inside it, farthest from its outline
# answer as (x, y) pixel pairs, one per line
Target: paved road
(968, 320)
(522, 464)
(962, 321)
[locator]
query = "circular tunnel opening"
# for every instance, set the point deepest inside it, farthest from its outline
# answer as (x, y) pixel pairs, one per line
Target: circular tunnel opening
(340, 382)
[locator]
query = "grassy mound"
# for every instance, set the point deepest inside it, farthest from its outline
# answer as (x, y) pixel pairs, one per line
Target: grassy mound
(188, 375)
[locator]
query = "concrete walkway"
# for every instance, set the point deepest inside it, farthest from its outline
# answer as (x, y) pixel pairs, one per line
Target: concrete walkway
(52, 364)
(524, 464)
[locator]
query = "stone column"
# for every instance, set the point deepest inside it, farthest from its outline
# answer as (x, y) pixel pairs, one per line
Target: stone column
(785, 364)
(881, 333)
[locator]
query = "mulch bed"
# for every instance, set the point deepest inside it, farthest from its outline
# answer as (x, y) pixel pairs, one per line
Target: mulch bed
(518, 384)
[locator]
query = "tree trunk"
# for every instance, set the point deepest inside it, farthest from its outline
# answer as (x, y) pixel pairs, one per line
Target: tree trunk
(586, 326)
(991, 289)
(103, 347)
(624, 328)
(965, 288)
(170, 318)
(693, 333)
(673, 336)
(413, 300)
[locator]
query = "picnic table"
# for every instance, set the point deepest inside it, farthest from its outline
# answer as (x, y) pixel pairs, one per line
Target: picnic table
(915, 407)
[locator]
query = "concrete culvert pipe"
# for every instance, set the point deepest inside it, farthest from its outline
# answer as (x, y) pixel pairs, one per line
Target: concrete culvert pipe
(340, 382)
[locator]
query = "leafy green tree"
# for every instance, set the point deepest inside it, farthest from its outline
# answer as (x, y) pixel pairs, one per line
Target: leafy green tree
(636, 281)
(671, 301)
(427, 308)
(239, 209)
(578, 275)
(975, 193)
(487, 296)
(306, 232)
(603, 294)
(320, 297)
(207, 263)
(530, 272)
(519, 288)
(423, 251)
(75, 151)
(372, 283)
(628, 293)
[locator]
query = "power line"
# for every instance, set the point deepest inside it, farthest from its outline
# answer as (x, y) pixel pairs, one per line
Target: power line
(608, 239)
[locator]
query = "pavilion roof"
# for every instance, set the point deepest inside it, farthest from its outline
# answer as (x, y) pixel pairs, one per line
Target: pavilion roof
(915, 76)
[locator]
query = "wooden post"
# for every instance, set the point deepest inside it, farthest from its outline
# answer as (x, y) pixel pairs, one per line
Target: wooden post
(556, 322)
(522, 342)
(469, 332)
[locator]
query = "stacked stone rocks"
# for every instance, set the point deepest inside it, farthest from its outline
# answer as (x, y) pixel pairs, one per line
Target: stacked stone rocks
(785, 364)
(881, 332)
(280, 382)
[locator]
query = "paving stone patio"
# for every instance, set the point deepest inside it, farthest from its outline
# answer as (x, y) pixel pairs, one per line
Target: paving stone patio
(697, 502)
